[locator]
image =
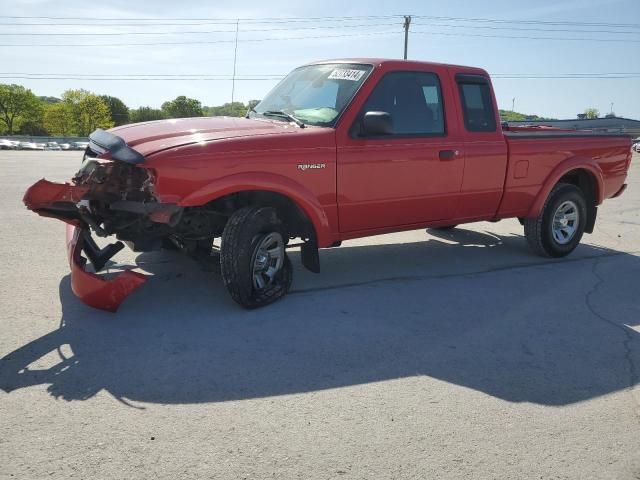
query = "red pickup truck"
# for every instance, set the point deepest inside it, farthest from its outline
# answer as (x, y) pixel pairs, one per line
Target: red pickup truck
(337, 150)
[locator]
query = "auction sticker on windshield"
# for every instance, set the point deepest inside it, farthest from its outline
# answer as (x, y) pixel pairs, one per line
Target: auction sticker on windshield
(346, 74)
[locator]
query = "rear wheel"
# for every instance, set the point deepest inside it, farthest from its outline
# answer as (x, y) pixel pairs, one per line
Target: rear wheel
(557, 231)
(254, 264)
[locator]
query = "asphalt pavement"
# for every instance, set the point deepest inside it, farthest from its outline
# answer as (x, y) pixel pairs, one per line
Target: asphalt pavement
(439, 355)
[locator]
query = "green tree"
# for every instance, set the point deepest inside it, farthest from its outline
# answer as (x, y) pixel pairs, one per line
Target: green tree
(33, 127)
(146, 114)
(33, 124)
(119, 111)
(89, 111)
(252, 104)
(592, 113)
(182, 107)
(18, 105)
(58, 119)
(235, 109)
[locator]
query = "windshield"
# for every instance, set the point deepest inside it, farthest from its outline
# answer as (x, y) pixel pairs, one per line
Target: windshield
(314, 94)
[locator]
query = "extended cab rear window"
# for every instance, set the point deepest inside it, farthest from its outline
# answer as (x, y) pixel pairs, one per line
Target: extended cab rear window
(477, 105)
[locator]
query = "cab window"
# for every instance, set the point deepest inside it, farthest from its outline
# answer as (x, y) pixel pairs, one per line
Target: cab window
(477, 105)
(414, 101)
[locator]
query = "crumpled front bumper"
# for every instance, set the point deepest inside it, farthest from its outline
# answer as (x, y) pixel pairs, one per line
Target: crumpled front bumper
(58, 200)
(92, 289)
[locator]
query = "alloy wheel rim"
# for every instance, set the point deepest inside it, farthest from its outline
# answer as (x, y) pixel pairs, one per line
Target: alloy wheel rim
(267, 261)
(565, 222)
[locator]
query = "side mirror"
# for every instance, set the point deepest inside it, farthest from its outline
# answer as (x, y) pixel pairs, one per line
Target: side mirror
(377, 123)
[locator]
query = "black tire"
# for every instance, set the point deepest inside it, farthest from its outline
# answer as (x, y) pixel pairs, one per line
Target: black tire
(240, 240)
(444, 227)
(539, 231)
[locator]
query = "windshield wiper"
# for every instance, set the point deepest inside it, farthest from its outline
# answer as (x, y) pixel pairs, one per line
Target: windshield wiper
(288, 116)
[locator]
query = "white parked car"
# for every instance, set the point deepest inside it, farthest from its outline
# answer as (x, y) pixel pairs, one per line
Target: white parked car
(8, 144)
(53, 146)
(79, 145)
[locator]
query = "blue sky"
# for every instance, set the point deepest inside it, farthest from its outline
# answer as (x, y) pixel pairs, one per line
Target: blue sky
(281, 48)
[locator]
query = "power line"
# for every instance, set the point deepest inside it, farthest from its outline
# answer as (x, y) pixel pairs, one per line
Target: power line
(275, 20)
(58, 24)
(491, 27)
(574, 77)
(197, 42)
(93, 34)
(532, 22)
(328, 27)
(230, 21)
(313, 37)
(142, 74)
(249, 79)
(344, 23)
(523, 37)
(200, 21)
(569, 74)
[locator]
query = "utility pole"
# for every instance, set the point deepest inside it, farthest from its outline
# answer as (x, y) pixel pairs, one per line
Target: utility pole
(235, 56)
(513, 104)
(407, 22)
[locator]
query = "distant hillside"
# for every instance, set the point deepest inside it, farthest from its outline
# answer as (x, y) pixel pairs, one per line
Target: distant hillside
(45, 99)
(511, 116)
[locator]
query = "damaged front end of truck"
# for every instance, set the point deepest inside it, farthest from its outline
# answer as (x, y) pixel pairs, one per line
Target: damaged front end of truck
(112, 194)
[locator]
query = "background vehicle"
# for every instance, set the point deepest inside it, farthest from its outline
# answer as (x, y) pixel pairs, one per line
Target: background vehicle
(65, 146)
(8, 144)
(338, 150)
(52, 146)
(79, 145)
(27, 146)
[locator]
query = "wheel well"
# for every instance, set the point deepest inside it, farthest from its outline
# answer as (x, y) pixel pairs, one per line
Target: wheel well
(585, 181)
(294, 218)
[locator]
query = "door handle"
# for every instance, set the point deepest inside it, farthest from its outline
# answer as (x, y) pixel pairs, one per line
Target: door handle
(448, 154)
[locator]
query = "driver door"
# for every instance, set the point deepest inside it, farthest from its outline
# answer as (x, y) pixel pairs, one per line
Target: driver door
(411, 176)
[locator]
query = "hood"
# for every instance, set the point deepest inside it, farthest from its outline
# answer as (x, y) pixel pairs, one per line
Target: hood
(151, 137)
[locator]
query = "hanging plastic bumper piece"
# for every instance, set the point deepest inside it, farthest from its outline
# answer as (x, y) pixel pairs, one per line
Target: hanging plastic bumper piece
(59, 200)
(92, 289)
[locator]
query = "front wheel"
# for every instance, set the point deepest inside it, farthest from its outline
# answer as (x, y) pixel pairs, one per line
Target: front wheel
(254, 264)
(557, 231)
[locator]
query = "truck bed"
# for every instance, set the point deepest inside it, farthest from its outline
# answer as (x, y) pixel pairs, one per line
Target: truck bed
(534, 156)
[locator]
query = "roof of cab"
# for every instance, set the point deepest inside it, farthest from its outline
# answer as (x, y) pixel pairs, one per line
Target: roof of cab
(402, 64)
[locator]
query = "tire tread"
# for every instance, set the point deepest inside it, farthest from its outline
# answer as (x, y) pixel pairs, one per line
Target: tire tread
(234, 249)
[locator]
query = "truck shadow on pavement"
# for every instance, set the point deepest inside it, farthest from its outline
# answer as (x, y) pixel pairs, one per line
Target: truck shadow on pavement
(499, 321)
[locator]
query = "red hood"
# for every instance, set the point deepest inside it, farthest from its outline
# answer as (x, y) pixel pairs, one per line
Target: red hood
(151, 137)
